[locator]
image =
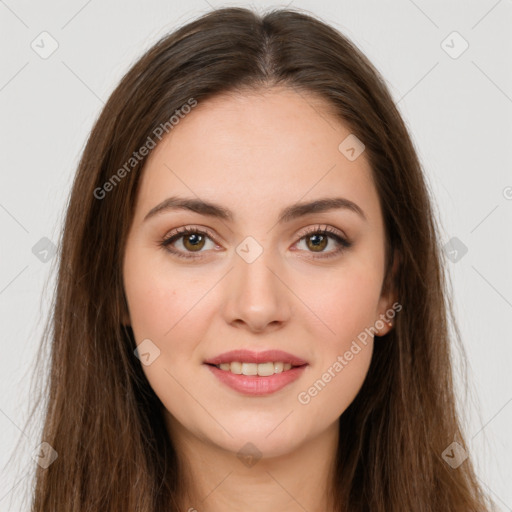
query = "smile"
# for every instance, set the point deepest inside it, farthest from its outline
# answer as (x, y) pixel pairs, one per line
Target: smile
(256, 373)
(261, 369)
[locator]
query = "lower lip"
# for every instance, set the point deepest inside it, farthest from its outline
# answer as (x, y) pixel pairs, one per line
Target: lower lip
(256, 385)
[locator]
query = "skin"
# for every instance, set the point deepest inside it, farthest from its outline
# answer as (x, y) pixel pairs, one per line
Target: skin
(255, 154)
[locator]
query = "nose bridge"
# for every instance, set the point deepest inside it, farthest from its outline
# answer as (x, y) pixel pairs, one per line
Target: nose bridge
(257, 294)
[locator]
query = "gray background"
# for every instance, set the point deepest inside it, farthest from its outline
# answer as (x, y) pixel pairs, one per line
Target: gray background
(458, 107)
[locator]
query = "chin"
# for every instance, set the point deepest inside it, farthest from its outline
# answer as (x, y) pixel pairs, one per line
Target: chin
(264, 442)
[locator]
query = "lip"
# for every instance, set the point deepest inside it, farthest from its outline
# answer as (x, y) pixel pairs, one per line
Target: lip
(248, 356)
(254, 384)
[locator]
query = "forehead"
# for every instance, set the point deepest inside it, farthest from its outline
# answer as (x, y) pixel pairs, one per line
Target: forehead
(257, 150)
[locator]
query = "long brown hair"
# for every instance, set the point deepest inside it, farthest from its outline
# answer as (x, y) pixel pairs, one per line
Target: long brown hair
(100, 414)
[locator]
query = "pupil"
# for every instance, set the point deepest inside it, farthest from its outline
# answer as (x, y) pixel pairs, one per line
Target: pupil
(192, 236)
(318, 241)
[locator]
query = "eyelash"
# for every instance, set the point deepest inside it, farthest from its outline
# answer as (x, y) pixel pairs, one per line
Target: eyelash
(326, 231)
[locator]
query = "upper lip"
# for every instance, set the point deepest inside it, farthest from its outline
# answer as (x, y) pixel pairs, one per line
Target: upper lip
(248, 356)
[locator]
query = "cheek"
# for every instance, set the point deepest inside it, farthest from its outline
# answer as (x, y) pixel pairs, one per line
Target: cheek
(166, 309)
(158, 300)
(343, 351)
(148, 301)
(345, 305)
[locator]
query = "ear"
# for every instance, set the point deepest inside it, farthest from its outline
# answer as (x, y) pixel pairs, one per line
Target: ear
(386, 311)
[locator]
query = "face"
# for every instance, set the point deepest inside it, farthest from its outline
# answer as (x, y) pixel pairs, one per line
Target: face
(247, 278)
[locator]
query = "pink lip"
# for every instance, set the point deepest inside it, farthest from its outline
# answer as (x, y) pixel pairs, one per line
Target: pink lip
(254, 384)
(248, 356)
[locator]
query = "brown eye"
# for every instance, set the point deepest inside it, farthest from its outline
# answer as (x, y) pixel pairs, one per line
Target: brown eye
(193, 242)
(318, 242)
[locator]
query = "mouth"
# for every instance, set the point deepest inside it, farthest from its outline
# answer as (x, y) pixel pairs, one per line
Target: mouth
(256, 373)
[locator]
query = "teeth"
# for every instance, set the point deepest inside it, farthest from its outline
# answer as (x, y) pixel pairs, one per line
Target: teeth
(261, 369)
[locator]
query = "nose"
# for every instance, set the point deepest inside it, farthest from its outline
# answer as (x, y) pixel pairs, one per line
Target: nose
(257, 297)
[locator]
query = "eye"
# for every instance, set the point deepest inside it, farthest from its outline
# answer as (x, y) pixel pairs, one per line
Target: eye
(317, 238)
(193, 240)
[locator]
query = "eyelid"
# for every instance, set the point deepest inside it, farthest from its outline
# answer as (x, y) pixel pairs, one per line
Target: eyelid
(322, 227)
(188, 228)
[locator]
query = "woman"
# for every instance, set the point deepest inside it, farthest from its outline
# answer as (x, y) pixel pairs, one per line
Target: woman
(251, 310)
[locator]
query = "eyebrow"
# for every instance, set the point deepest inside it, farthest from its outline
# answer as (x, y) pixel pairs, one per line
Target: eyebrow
(288, 214)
